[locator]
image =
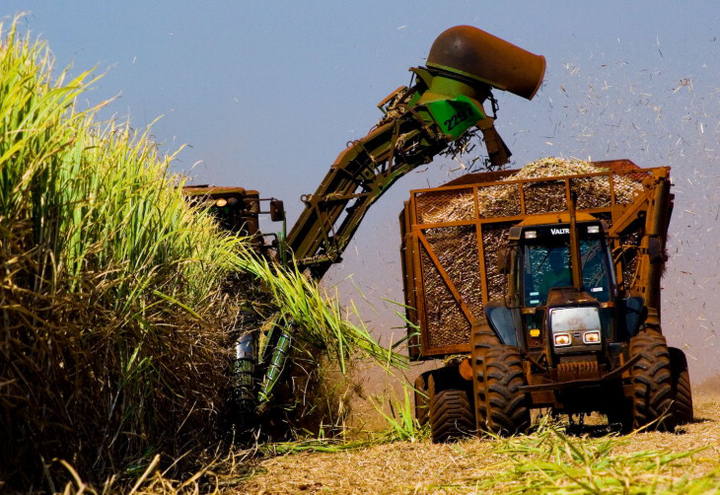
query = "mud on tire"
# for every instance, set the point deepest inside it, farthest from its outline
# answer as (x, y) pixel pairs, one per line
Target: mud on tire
(501, 407)
(652, 381)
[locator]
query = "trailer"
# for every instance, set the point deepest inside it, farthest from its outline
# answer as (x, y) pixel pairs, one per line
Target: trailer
(542, 292)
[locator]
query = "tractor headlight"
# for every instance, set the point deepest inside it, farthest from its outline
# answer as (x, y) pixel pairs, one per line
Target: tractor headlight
(575, 326)
(562, 339)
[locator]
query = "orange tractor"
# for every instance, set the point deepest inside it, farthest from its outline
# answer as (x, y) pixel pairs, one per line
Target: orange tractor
(545, 292)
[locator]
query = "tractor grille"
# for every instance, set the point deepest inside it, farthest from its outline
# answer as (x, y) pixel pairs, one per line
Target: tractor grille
(577, 370)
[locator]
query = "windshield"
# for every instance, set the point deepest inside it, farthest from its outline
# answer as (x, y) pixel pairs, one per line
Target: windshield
(546, 264)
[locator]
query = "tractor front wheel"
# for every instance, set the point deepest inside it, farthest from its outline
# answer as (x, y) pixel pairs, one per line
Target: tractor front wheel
(652, 381)
(682, 406)
(501, 406)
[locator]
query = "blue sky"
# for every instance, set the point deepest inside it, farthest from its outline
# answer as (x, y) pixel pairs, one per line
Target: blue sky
(266, 94)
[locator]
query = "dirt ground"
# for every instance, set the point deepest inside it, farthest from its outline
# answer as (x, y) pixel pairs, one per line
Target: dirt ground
(424, 468)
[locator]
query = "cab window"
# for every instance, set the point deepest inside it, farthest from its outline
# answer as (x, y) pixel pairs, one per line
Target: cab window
(546, 264)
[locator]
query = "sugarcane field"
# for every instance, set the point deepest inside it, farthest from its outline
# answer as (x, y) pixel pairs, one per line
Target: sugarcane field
(359, 248)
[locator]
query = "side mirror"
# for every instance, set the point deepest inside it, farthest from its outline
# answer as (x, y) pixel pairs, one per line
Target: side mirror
(277, 210)
(502, 262)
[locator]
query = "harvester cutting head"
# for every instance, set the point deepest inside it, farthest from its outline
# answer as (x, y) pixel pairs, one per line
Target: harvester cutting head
(469, 52)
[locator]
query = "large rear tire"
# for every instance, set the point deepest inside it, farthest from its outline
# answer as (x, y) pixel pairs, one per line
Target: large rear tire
(682, 406)
(652, 389)
(501, 407)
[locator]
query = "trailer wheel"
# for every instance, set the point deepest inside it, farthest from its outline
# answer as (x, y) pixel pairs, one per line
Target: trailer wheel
(450, 415)
(500, 406)
(652, 381)
(450, 411)
(682, 407)
(422, 394)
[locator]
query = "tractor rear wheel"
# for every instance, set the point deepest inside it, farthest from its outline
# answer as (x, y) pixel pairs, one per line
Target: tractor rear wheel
(682, 406)
(652, 381)
(449, 410)
(500, 405)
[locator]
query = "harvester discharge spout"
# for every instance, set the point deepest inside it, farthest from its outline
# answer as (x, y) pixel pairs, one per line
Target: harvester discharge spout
(434, 115)
(466, 51)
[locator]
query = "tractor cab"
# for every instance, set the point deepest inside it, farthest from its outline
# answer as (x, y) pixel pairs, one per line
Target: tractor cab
(545, 261)
(564, 287)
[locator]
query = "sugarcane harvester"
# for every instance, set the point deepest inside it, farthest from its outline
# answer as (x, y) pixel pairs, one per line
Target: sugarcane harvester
(442, 108)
